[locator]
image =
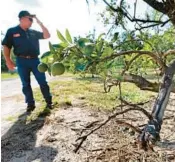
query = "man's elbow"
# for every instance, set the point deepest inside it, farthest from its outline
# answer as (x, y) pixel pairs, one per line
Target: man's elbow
(46, 36)
(5, 47)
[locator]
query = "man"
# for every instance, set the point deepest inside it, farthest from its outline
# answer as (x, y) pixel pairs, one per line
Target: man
(26, 49)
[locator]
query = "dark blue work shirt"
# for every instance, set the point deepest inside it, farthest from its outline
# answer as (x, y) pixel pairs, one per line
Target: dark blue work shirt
(25, 43)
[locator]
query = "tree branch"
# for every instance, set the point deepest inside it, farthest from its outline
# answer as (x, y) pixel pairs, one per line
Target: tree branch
(134, 107)
(148, 26)
(111, 7)
(151, 54)
(169, 52)
(159, 6)
(139, 81)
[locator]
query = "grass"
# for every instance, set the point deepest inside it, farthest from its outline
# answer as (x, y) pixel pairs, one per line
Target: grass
(39, 112)
(6, 75)
(90, 91)
(12, 118)
(87, 91)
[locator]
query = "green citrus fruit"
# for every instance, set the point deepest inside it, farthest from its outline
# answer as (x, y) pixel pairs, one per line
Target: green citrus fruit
(42, 67)
(57, 69)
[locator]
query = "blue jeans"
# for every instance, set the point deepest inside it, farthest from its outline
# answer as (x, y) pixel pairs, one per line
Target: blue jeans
(25, 67)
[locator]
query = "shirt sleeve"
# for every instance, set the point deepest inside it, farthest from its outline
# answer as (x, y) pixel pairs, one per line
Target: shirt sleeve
(39, 35)
(8, 39)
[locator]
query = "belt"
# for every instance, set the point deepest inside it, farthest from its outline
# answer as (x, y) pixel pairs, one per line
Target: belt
(27, 57)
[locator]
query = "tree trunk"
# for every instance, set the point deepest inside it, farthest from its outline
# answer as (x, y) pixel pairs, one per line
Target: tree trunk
(151, 131)
(164, 93)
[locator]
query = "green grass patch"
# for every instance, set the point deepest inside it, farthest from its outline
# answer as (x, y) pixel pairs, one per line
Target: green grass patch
(6, 75)
(38, 112)
(12, 118)
(91, 90)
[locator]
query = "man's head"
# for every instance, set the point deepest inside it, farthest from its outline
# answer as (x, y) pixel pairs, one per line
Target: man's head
(26, 19)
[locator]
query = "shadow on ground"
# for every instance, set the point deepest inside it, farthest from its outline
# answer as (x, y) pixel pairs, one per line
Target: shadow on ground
(19, 143)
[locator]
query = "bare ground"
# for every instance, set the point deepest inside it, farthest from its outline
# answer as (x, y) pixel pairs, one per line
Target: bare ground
(53, 138)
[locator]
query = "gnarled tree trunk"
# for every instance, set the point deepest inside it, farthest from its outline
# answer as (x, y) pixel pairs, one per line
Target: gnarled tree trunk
(151, 131)
(164, 93)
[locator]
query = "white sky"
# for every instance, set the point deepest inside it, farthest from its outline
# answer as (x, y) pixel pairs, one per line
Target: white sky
(55, 14)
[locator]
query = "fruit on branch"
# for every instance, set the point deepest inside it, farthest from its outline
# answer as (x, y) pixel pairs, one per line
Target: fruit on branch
(42, 67)
(57, 69)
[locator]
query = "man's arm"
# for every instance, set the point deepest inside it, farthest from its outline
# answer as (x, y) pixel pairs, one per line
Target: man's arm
(7, 45)
(46, 33)
(10, 64)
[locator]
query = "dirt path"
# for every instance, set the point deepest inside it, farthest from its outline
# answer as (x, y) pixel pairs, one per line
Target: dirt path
(53, 139)
(12, 99)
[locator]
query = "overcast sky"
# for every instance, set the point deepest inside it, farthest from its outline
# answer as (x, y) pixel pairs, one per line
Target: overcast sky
(55, 14)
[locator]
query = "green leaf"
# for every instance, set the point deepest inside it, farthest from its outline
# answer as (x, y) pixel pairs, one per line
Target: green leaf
(64, 45)
(55, 58)
(46, 54)
(107, 51)
(61, 37)
(99, 47)
(68, 36)
(119, 78)
(52, 50)
(82, 41)
(49, 70)
(56, 45)
(115, 36)
(94, 55)
(100, 36)
(109, 65)
(80, 67)
(88, 49)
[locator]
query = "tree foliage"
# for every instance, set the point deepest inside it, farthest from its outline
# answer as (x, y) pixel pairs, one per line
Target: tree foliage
(124, 53)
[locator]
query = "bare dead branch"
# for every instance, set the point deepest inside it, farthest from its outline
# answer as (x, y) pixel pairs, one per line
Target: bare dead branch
(128, 125)
(135, 7)
(120, 95)
(148, 26)
(111, 7)
(84, 137)
(91, 124)
(159, 6)
(141, 82)
(138, 108)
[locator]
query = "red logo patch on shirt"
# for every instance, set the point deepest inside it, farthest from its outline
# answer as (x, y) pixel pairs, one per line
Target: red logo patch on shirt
(16, 35)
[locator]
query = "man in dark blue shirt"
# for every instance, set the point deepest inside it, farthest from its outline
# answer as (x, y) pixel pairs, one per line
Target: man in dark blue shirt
(25, 43)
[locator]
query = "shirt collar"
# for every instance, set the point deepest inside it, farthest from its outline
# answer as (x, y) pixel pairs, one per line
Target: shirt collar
(21, 28)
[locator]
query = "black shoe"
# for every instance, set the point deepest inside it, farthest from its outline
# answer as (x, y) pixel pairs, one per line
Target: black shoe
(49, 106)
(30, 108)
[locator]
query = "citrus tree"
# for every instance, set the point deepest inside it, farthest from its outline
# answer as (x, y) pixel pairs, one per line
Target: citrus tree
(125, 56)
